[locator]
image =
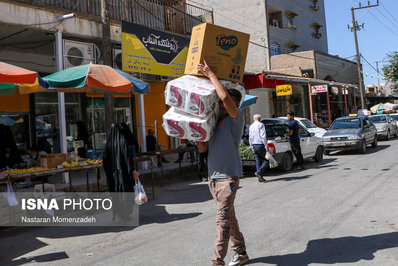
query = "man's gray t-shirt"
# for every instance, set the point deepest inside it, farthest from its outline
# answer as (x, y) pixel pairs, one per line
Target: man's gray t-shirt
(224, 160)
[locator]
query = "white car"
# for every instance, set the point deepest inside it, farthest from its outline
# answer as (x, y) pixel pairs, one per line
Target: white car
(311, 145)
(309, 126)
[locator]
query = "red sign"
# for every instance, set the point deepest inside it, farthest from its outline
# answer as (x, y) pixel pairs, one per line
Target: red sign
(319, 89)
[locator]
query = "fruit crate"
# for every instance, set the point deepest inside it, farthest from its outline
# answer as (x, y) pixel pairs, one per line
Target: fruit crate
(52, 160)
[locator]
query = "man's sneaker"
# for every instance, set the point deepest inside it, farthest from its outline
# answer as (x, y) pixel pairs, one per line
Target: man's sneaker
(238, 259)
(260, 178)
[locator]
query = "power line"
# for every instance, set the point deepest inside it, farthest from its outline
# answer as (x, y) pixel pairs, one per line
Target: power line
(392, 22)
(383, 24)
(389, 13)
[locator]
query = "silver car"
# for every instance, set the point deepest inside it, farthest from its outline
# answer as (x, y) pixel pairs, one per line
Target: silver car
(350, 133)
(385, 125)
(395, 117)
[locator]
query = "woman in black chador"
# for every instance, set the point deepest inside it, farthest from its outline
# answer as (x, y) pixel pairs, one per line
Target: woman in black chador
(120, 172)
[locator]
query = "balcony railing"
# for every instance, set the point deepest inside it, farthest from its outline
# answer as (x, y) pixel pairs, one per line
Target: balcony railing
(175, 16)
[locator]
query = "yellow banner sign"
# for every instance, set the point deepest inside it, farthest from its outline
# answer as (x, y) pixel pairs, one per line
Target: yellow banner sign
(145, 50)
(283, 90)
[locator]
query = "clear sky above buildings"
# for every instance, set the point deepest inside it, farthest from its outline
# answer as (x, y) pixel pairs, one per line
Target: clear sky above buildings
(379, 36)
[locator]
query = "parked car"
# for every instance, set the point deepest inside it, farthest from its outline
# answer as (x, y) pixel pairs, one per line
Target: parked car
(395, 117)
(385, 125)
(350, 133)
(309, 126)
(279, 146)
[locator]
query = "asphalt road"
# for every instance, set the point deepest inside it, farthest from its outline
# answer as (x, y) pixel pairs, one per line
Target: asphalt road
(343, 211)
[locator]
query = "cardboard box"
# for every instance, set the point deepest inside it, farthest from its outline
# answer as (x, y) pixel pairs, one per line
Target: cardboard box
(223, 49)
(52, 160)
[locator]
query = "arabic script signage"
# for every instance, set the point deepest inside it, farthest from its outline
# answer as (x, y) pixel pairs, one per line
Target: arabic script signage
(319, 89)
(145, 50)
(283, 90)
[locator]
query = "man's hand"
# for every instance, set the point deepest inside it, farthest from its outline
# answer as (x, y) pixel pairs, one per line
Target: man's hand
(205, 69)
(135, 175)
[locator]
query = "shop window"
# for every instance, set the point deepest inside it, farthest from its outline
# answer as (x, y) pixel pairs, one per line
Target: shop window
(316, 34)
(275, 48)
(290, 16)
(314, 5)
(275, 18)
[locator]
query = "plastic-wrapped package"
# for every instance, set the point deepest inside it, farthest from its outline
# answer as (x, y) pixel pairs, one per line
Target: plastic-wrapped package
(185, 126)
(191, 94)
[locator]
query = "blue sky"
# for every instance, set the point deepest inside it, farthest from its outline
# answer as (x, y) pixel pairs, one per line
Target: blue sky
(379, 37)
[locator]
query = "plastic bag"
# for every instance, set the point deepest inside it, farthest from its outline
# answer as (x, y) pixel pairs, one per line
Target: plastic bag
(140, 195)
(272, 162)
(9, 195)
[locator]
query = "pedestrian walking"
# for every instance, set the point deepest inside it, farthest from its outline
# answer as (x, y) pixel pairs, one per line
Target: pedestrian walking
(259, 144)
(294, 131)
(224, 170)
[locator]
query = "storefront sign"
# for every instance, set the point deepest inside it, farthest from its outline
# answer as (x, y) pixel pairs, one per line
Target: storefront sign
(319, 89)
(283, 90)
(145, 50)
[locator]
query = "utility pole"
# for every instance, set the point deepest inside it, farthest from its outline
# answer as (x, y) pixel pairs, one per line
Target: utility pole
(106, 56)
(354, 28)
(378, 78)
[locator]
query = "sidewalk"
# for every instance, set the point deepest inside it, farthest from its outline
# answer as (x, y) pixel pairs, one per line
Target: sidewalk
(171, 173)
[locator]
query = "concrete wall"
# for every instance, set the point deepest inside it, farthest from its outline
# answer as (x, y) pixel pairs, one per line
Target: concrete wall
(340, 69)
(293, 63)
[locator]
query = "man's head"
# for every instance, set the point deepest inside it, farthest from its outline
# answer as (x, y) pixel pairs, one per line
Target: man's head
(150, 132)
(256, 117)
(290, 115)
(236, 97)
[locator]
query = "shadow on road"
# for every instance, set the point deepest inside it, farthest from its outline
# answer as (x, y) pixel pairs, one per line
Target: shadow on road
(22, 240)
(292, 178)
(335, 250)
(369, 150)
(41, 258)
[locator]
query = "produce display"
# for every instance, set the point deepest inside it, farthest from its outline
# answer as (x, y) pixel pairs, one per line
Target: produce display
(246, 152)
(69, 164)
(92, 162)
(23, 171)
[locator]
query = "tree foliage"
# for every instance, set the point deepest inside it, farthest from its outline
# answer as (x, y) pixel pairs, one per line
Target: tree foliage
(391, 73)
(391, 68)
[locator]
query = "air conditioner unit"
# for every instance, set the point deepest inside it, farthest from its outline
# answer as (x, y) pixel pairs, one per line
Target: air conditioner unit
(275, 23)
(117, 59)
(166, 78)
(315, 7)
(78, 53)
(317, 35)
(291, 26)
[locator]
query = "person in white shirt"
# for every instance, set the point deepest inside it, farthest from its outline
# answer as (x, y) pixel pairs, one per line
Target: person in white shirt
(258, 142)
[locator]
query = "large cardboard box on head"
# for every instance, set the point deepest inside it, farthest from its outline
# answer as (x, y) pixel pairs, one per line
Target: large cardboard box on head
(223, 49)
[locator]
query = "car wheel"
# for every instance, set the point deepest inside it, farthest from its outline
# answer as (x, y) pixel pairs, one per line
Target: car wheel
(318, 154)
(374, 144)
(363, 147)
(326, 152)
(388, 135)
(287, 162)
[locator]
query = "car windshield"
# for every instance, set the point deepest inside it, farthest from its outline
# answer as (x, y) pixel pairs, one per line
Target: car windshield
(378, 119)
(346, 123)
(307, 123)
(394, 116)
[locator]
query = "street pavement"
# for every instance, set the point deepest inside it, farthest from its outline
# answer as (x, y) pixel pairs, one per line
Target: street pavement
(342, 211)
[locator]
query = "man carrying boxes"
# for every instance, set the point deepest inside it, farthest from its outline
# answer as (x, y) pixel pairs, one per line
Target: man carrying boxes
(225, 168)
(206, 111)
